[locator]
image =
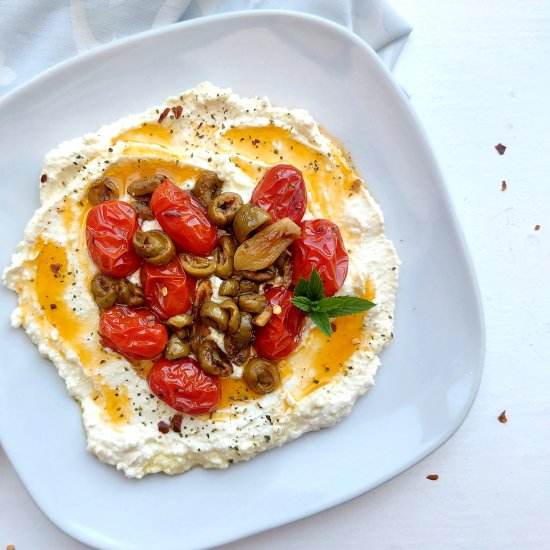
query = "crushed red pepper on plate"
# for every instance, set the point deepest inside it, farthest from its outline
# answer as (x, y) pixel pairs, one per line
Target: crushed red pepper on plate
(432, 477)
(504, 186)
(164, 114)
(355, 186)
(43, 178)
(537, 227)
(502, 418)
(500, 148)
(175, 422)
(164, 427)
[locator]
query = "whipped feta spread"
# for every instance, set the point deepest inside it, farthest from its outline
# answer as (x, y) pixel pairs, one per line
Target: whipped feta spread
(205, 128)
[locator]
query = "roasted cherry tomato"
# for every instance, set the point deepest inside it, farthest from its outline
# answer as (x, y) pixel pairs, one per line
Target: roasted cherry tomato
(320, 246)
(184, 218)
(281, 335)
(168, 289)
(110, 227)
(184, 386)
(282, 193)
(135, 333)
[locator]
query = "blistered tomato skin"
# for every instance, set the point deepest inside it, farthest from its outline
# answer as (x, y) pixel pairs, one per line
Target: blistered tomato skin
(135, 333)
(184, 386)
(168, 289)
(281, 335)
(184, 218)
(110, 227)
(320, 246)
(282, 193)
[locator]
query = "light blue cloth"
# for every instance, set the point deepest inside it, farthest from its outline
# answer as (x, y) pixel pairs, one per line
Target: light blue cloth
(36, 34)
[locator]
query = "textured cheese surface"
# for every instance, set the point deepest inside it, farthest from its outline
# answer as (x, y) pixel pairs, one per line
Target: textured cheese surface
(219, 131)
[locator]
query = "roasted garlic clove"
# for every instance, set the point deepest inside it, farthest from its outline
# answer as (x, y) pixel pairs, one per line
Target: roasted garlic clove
(261, 250)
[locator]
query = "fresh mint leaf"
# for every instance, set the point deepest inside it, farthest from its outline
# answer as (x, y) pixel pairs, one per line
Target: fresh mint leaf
(301, 288)
(322, 320)
(309, 296)
(340, 306)
(315, 290)
(302, 302)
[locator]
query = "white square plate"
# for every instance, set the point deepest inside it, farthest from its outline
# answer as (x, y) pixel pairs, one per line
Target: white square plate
(429, 374)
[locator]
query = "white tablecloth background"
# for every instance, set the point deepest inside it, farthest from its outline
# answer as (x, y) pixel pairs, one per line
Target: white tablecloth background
(478, 74)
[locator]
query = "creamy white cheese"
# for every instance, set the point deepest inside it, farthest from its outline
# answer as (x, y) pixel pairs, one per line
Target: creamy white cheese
(96, 378)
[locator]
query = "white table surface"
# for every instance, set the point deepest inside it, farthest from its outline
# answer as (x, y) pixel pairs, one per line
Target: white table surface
(478, 74)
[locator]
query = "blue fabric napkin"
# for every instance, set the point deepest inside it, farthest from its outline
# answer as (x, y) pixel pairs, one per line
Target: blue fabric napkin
(35, 35)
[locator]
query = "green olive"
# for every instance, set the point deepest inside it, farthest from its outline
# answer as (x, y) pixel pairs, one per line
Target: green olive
(145, 186)
(251, 302)
(213, 360)
(234, 315)
(223, 208)
(213, 316)
(104, 290)
(179, 325)
(264, 316)
(143, 209)
(207, 186)
(248, 219)
(229, 287)
(261, 375)
(241, 356)
(176, 348)
(154, 246)
(180, 321)
(101, 190)
(203, 293)
(246, 286)
(129, 294)
(259, 276)
(196, 340)
(181, 333)
(197, 266)
(223, 256)
(234, 343)
(199, 330)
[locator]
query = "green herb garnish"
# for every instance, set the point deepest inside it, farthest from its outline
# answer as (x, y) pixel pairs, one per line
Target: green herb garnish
(309, 296)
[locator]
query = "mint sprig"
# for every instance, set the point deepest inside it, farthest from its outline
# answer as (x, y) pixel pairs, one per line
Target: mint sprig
(309, 296)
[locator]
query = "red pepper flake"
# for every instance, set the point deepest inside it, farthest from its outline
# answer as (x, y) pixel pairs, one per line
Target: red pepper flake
(255, 142)
(503, 186)
(432, 477)
(164, 114)
(163, 427)
(502, 417)
(537, 227)
(55, 268)
(53, 306)
(500, 148)
(355, 186)
(177, 110)
(43, 178)
(175, 422)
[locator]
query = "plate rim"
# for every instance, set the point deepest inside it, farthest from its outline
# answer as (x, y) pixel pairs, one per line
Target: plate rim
(344, 34)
